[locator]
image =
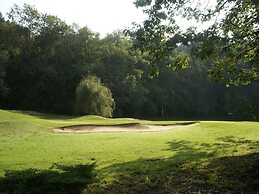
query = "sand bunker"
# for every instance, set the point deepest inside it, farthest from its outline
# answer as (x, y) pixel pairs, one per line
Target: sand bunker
(132, 127)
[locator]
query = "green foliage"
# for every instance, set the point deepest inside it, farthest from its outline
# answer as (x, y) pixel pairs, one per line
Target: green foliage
(3, 64)
(42, 60)
(123, 71)
(93, 98)
(230, 42)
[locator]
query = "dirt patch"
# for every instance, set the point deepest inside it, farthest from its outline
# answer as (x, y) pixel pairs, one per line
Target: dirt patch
(136, 127)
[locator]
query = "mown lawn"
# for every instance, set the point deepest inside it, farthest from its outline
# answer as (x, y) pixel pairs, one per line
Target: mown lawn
(207, 157)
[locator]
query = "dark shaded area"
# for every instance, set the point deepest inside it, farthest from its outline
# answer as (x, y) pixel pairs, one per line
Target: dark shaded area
(47, 116)
(186, 171)
(239, 174)
(42, 65)
(58, 179)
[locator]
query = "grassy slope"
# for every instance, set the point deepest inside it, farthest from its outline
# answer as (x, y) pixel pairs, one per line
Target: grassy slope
(23, 136)
(27, 142)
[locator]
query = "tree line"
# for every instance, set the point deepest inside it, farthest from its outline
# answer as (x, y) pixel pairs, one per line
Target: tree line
(43, 61)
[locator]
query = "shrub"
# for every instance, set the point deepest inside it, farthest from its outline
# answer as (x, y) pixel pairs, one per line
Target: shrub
(93, 98)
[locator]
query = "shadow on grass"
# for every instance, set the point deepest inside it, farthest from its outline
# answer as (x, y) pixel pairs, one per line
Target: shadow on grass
(47, 116)
(237, 140)
(58, 179)
(194, 168)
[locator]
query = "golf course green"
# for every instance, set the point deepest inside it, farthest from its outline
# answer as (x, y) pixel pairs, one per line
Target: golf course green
(205, 157)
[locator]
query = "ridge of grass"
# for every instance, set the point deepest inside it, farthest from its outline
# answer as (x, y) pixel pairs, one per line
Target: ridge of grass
(170, 161)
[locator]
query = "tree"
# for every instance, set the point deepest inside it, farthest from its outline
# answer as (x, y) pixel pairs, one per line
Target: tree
(230, 43)
(3, 86)
(43, 50)
(3, 58)
(93, 98)
(42, 60)
(121, 70)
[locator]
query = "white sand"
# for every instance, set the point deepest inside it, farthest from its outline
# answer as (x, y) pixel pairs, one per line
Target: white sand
(115, 128)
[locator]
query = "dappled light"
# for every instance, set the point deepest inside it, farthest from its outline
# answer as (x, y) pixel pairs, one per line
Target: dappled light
(184, 173)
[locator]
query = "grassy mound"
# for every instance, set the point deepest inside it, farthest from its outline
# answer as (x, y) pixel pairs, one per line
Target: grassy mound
(210, 157)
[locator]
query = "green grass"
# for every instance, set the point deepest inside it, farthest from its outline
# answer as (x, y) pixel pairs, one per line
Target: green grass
(192, 157)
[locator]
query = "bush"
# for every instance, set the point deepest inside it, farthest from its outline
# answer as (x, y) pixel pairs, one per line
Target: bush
(93, 98)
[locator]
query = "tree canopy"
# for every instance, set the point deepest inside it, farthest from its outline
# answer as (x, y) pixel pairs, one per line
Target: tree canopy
(93, 98)
(43, 60)
(230, 42)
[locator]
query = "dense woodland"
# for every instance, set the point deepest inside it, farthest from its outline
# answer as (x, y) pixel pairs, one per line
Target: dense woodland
(43, 59)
